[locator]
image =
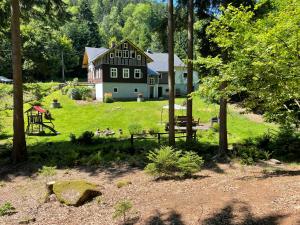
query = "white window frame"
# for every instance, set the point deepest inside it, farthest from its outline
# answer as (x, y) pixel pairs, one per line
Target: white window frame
(113, 72)
(151, 81)
(115, 91)
(137, 71)
(125, 54)
(111, 55)
(118, 53)
(160, 76)
(128, 73)
(137, 90)
(139, 57)
(125, 45)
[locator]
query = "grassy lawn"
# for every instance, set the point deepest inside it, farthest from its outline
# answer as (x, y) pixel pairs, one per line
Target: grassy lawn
(77, 117)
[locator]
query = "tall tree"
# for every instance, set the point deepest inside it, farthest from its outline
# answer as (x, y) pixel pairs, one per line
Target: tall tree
(189, 127)
(19, 152)
(171, 76)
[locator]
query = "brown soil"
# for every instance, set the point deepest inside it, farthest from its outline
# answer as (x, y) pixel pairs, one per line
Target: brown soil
(223, 194)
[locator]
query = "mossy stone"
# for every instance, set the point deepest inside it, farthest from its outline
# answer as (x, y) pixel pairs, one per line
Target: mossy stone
(75, 192)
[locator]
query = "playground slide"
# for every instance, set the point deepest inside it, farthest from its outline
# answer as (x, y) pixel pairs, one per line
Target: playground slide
(50, 128)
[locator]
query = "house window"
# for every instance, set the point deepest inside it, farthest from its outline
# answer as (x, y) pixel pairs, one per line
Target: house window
(115, 90)
(152, 81)
(113, 72)
(160, 76)
(184, 75)
(125, 73)
(139, 57)
(125, 54)
(125, 45)
(119, 53)
(137, 74)
(132, 54)
(111, 55)
(167, 90)
(136, 90)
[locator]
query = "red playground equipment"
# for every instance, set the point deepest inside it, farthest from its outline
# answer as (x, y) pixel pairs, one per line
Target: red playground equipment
(35, 124)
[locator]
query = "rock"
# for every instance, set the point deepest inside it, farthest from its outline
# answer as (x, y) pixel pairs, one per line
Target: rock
(75, 192)
(274, 161)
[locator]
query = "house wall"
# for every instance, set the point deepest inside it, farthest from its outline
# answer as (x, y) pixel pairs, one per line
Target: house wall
(125, 90)
(99, 92)
(181, 81)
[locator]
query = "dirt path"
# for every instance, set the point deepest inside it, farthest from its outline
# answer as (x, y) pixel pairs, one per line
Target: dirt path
(225, 194)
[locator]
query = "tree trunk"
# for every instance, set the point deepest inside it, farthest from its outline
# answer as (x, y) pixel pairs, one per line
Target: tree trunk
(223, 142)
(171, 76)
(189, 127)
(19, 152)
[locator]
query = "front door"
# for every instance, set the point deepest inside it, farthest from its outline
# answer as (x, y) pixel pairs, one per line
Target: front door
(160, 90)
(151, 95)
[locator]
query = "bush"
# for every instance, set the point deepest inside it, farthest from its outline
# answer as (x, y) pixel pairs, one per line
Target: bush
(85, 93)
(154, 130)
(135, 128)
(74, 93)
(86, 138)
(121, 210)
(167, 162)
(108, 98)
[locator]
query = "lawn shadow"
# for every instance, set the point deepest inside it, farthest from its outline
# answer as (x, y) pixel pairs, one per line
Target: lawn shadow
(171, 217)
(239, 213)
(112, 156)
(178, 178)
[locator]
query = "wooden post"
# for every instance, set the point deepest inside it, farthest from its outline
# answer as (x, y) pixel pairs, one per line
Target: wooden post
(131, 140)
(158, 136)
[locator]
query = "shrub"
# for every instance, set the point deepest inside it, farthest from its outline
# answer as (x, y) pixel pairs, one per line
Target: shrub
(135, 128)
(74, 93)
(121, 210)
(85, 93)
(47, 171)
(123, 183)
(248, 154)
(108, 98)
(167, 162)
(154, 130)
(73, 138)
(86, 138)
(6, 209)
(189, 163)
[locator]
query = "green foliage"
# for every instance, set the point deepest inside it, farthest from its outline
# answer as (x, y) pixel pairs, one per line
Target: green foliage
(154, 130)
(122, 208)
(47, 171)
(259, 57)
(6, 209)
(86, 138)
(189, 163)
(74, 93)
(135, 128)
(167, 162)
(123, 183)
(108, 98)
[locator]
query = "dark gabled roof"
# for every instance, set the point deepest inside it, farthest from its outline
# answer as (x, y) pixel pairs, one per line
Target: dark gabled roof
(107, 51)
(160, 62)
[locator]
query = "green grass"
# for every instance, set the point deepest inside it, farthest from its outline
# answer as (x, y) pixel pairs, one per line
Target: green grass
(76, 118)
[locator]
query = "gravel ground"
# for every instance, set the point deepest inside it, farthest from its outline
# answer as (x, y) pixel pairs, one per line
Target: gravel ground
(224, 194)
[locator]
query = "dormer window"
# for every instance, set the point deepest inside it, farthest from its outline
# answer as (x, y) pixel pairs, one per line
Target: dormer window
(125, 45)
(119, 53)
(125, 54)
(132, 54)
